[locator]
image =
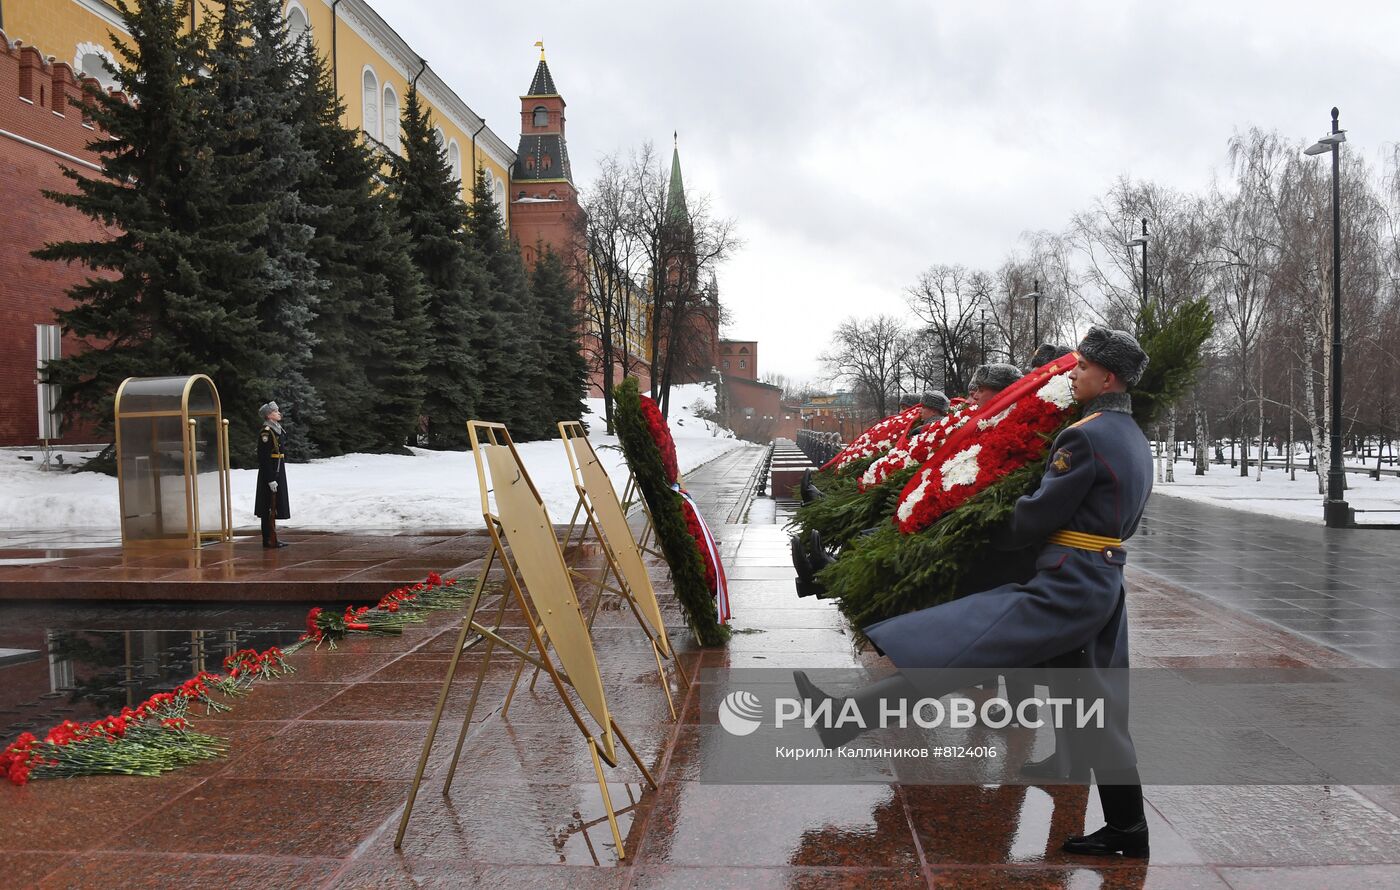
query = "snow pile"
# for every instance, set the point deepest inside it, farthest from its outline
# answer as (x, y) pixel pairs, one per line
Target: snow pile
(688, 402)
(430, 489)
(1275, 495)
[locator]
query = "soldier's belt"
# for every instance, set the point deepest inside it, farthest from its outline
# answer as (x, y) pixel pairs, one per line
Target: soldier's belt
(1083, 540)
(279, 456)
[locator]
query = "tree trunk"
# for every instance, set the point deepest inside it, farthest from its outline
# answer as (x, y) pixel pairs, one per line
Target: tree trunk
(1157, 447)
(1292, 470)
(1202, 440)
(1171, 444)
(1317, 423)
(1259, 471)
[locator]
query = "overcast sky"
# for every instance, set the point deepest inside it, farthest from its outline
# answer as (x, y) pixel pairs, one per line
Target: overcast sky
(855, 144)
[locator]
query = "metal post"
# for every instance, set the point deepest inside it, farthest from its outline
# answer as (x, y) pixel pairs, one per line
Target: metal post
(1335, 511)
(1144, 262)
(984, 337)
(1035, 330)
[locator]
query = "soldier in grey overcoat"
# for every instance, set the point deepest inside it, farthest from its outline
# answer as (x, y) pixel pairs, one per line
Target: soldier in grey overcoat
(1072, 613)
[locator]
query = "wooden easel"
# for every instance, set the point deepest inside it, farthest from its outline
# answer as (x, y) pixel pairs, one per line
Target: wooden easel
(544, 591)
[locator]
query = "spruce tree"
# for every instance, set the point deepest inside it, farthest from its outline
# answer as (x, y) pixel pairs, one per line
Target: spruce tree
(427, 198)
(514, 375)
(251, 106)
(367, 364)
(556, 301)
(168, 292)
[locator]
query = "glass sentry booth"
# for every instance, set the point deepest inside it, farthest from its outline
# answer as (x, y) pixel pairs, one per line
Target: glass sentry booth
(172, 462)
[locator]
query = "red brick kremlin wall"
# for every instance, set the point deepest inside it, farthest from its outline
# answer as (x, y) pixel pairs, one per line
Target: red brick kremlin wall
(41, 122)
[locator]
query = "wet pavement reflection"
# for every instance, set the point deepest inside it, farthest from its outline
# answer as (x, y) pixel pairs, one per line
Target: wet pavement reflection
(321, 761)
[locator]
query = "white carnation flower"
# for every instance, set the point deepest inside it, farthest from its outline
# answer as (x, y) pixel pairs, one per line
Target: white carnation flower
(906, 506)
(995, 419)
(1057, 391)
(961, 468)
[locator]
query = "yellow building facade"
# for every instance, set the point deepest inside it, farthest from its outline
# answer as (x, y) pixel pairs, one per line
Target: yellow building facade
(373, 68)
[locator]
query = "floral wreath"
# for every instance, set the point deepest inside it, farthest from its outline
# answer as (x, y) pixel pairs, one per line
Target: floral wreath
(661, 435)
(877, 439)
(690, 551)
(1013, 431)
(917, 450)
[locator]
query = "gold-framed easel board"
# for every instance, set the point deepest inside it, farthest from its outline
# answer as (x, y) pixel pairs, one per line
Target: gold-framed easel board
(602, 512)
(524, 542)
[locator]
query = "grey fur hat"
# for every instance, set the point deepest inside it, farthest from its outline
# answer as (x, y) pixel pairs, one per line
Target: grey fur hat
(995, 376)
(267, 409)
(1117, 351)
(1047, 353)
(935, 400)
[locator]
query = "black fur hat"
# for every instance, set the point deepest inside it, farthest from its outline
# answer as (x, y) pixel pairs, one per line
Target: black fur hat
(1117, 351)
(996, 376)
(1047, 353)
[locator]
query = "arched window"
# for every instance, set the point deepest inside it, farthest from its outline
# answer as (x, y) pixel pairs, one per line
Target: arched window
(440, 136)
(490, 182)
(391, 119)
(91, 60)
(370, 109)
(546, 162)
(454, 159)
(297, 23)
(500, 196)
(529, 162)
(541, 116)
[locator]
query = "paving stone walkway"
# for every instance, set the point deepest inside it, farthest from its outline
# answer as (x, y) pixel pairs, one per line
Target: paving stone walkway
(1340, 587)
(321, 761)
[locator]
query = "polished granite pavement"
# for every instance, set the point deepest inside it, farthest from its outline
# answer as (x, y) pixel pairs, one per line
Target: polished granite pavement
(1340, 587)
(321, 760)
(320, 566)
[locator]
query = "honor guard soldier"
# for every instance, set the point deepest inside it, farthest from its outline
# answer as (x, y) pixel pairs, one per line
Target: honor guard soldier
(1073, 611)
(271, 502)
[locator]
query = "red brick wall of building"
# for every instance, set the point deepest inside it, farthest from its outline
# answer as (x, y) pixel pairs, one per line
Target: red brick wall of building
(40, 102)
(739, 358)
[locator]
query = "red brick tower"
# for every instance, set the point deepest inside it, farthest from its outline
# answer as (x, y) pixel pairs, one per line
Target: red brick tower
(544, 209)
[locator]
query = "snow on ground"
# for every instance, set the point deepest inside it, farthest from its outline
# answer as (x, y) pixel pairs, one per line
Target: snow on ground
(430, 489)
(1275, 495)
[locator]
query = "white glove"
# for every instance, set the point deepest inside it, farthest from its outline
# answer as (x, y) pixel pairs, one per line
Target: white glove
(272, 485)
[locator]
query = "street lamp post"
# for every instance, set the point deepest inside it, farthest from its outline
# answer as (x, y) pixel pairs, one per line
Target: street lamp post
(1141, 241)
(1335, 511)
(1034, 296)
(984, 336)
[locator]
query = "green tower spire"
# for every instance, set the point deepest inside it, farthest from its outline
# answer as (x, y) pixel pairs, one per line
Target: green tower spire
(676, 211)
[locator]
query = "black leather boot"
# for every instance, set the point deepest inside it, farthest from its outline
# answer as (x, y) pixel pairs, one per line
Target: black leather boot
(799, 559)
(817, 556)
(1108, 841)
(868, 700)
(809, 491)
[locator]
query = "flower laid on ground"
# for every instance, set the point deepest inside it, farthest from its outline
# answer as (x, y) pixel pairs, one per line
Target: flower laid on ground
(156, 736)
(247, 666)
(150, 739)
(394, 610)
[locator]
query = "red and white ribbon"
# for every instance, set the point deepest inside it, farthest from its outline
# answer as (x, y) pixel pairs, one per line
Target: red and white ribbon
(721, 591)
